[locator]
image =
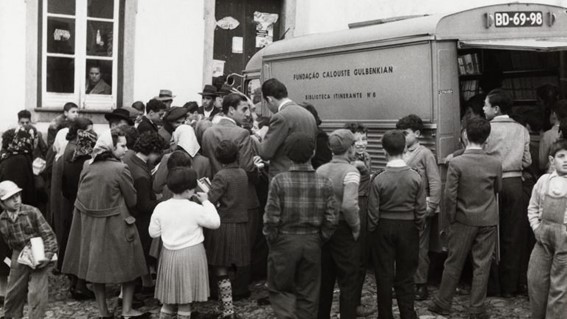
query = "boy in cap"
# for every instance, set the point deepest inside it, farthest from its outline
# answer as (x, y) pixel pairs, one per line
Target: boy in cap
(340, 255)
(299, 216)
(396, 205)
(19, 223)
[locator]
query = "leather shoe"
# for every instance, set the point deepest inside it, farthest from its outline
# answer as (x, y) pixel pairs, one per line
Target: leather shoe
(81, 294)
(421, 292)
(507, 295)
(433, 307)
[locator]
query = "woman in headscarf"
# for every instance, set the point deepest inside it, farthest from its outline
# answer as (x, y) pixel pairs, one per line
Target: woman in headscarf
(185, 141)
(81, 139)
(55, 166)
(104, 246)
(16, 162)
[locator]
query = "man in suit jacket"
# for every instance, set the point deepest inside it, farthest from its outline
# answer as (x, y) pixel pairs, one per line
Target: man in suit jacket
(155, 109)
(208, 109)
(236, 113)
(288, 118)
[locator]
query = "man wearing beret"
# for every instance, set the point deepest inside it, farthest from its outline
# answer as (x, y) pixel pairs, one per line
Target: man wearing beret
(339, 256)
(174, 117)
(288, 118)
(237, 113)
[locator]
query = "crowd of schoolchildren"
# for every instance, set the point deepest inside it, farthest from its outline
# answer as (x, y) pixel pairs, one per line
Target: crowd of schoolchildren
(195, 202)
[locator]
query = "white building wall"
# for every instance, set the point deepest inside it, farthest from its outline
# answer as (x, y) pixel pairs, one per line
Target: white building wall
(169, 48)
(12, 61)
(318, 16)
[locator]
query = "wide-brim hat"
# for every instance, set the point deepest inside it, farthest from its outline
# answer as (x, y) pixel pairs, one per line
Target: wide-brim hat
(209, 90)
(175, 113)
(119, 114)
(165, 95)
(8, 189)
(225, 90)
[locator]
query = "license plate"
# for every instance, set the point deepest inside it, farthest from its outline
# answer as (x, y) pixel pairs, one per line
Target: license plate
(518, 19)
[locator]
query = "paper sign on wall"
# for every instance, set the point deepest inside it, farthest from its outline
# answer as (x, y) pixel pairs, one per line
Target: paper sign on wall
(228, 23)
(218, 68)
(237, 44)
(264, 28)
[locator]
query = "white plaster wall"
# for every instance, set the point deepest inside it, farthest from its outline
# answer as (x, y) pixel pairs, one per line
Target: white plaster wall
(12, 61)
(317, 16)
(169, 49)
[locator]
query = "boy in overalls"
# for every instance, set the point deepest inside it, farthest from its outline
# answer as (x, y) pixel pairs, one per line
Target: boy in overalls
(547, 270)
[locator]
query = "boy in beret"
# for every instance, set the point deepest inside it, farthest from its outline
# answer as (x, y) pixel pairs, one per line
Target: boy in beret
(396, 205)
(299, 216)
(340, 255)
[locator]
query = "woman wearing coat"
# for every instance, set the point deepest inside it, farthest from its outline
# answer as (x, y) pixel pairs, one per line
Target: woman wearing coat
(147, 150)
(104, 246)
(81, 142)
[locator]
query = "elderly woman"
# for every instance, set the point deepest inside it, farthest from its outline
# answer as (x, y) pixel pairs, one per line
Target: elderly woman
(104, 246)
(81, 142)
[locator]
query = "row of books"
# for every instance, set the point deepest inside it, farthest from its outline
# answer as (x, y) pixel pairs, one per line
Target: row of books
(469, 64)
(524, 88)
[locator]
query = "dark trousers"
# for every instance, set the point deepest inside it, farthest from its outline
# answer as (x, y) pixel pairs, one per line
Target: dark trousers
(364, 250)
(340, 261)
(395, 248)
(513, 234)
(294, 275)
(462, 240)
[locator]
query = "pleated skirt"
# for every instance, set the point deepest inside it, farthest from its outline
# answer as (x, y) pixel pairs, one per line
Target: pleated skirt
(182, 275)
(228, 245)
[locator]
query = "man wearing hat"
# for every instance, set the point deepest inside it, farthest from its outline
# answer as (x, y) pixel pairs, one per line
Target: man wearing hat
(172, 119)
(208, 109)
(339, 256)
(118, 117)
(288, 118)
(166, 96)
(237, 113)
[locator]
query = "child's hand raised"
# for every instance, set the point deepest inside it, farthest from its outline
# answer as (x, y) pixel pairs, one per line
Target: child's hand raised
(202, 196)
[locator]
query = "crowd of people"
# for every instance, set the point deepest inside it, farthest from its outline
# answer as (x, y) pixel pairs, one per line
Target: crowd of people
(197, 202)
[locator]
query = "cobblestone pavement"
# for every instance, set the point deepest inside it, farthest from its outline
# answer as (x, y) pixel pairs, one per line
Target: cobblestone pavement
(62, 306)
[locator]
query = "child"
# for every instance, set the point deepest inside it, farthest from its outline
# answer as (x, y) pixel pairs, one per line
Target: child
(396, 204)
(421, 159)
(473, 179)
(19, 223)
(300, 215)
(547, 271)
(228, 247)
(182, 275)
(363, 163)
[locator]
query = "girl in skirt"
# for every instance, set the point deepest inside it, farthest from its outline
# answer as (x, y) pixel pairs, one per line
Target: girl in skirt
(182, 276)
(228, 247)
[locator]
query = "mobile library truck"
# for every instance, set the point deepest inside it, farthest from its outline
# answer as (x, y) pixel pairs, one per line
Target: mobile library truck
(379, 71)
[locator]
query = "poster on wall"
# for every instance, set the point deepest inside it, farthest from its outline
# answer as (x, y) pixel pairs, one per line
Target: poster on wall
(264, 28)
(218, 68)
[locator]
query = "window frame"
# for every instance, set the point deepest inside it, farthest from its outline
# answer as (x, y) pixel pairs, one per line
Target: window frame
(83, 100)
